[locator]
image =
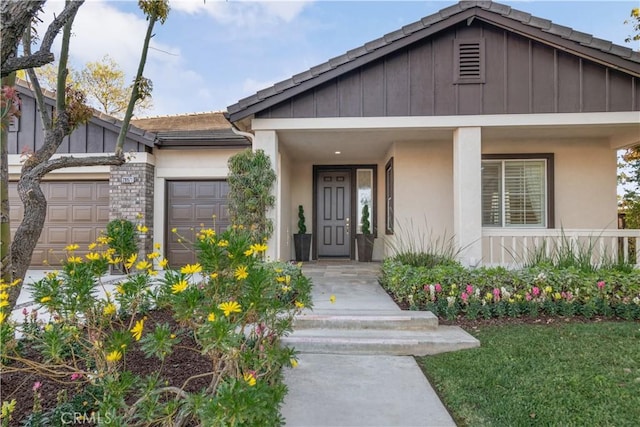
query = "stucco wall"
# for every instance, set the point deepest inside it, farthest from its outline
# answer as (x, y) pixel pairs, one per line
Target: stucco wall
(301, 194)
(286, 231)
(423, 193)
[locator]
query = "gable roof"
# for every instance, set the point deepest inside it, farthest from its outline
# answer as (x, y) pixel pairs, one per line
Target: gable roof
(543, 30)
(210, 129)
(99, 118)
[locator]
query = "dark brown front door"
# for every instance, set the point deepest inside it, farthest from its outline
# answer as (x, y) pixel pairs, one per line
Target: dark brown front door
(334, 213)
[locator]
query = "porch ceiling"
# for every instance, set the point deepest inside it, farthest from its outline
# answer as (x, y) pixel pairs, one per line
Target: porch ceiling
(371, 145)
(355, 146)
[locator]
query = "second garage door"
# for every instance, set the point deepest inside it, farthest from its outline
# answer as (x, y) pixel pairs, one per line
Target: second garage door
(192, 205)
(77, 211)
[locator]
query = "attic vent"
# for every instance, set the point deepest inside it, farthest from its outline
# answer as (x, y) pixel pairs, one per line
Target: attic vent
(469, 63)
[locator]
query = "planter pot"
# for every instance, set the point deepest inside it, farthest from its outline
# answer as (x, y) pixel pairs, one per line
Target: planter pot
(302, 245)
(365, 247)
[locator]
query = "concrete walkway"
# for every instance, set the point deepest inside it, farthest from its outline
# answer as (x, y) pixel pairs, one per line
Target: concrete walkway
(357, 390)
(332, 390)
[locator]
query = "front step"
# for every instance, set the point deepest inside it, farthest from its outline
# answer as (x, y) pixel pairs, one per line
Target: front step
(367, 319)
(378, 341)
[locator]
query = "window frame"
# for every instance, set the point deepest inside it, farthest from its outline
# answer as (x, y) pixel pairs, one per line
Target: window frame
(388, 197)
(549, 188)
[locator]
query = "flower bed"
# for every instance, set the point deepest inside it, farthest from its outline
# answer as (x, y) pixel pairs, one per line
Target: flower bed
(450, 290)
(230, 309)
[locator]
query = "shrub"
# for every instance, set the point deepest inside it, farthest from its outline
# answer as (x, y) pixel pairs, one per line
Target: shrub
(232, 306)
(251, 180)
(450, 290)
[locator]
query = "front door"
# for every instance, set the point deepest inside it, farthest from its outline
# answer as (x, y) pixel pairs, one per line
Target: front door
(334, 213)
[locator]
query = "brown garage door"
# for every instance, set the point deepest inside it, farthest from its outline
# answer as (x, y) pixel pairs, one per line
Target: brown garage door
(190, 206)
(77, 211)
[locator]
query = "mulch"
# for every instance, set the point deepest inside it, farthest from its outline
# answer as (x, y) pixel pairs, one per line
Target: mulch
(181, 364)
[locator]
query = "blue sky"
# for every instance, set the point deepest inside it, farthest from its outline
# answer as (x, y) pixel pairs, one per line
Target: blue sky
(210, 54)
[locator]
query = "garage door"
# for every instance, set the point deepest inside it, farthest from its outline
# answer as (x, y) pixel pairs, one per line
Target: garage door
(77, 212)
(190, 206)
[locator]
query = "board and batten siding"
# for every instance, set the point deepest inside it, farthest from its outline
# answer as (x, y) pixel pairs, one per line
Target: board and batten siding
(95, 136)
(522, 75)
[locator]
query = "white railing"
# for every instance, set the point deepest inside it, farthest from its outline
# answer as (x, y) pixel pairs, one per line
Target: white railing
(513, 247)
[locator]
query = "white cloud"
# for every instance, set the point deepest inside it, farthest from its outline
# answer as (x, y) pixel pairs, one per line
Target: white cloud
(100, 29)
(250, 15)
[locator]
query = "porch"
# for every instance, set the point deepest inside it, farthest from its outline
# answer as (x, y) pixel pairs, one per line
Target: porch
(493, 183)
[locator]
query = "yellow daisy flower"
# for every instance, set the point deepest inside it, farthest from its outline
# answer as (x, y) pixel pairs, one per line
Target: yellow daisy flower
(114, 356)
(136, 331)
(143, 265)
(250, 378)
(179, 287)
(93, 256)
(191, 269)
(109, 309)
(230, 307)
(241, 273)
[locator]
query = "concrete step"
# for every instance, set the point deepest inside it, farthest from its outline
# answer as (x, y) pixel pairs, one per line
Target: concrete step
(379, 341)
(367, 319)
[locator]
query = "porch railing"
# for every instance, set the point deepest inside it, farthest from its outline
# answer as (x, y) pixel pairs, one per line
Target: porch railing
(513, 247)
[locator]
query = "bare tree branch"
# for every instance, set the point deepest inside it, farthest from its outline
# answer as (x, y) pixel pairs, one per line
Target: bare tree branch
(17, 17)
(35, 84)
(70, 161)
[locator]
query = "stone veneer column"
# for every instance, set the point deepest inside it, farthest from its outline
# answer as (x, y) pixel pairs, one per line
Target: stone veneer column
(467, 193)
(131, 197)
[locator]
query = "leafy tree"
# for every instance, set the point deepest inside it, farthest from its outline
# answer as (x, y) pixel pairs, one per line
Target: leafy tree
(635, 24)
(630, 175)
(630, 165)
(102, 81)
(70, 112)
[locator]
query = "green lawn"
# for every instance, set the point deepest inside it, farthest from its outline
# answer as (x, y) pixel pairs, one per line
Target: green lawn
(578, 374)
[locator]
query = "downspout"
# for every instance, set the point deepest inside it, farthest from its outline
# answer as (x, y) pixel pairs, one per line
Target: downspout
(248, 135)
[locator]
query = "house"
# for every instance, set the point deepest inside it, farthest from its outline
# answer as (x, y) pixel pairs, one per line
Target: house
(175, 178)
(479, 123)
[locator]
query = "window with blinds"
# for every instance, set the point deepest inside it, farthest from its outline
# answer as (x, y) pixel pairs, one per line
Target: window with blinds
(514, 193)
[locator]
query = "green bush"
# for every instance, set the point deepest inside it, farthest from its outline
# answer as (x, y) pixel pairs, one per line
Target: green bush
(450, 290)
(232, 304)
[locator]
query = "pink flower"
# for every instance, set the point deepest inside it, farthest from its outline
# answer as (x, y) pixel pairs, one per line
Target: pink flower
(496, 292)
(37, 385)
(75, 376)
(438, 287)
(527, 296)
(25, 312)
(535, 291)
(464, 296)
(469, 289)
(601, 284)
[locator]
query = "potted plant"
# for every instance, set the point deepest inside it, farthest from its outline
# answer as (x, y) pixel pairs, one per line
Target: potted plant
(302, 240)
(365, 239)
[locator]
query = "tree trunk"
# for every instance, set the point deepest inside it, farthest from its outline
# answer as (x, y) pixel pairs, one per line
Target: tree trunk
(5, 225)
(28, 233)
